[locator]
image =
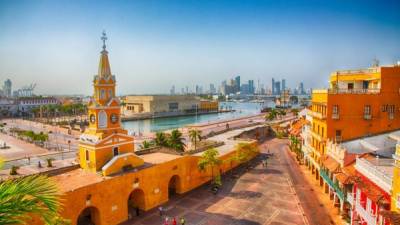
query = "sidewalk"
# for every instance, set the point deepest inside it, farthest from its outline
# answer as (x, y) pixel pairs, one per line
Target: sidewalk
(322, 197)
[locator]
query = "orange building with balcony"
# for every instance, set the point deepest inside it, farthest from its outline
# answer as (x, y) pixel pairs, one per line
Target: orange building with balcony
(358, 103)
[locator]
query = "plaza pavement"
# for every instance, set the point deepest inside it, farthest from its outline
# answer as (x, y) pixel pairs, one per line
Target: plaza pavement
(258, 196)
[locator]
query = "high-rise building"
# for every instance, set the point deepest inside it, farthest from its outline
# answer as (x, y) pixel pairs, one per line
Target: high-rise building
(301, 88)
(7, 88)
(251, 87)
(283, 85)
(212, 89)
(273, 86)
(277, 88)
(172, 91)
(237, 84)
(244, 89)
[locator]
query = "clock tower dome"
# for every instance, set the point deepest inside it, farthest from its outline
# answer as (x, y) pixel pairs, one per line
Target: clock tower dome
(105, 141)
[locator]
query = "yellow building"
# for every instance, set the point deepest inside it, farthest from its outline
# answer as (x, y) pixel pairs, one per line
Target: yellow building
(395, 203)
(112, 180)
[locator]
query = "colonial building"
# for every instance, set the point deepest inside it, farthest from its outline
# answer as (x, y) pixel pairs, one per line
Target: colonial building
(112, 180)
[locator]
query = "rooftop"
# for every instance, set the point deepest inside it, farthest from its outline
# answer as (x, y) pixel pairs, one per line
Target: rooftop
(383, 145)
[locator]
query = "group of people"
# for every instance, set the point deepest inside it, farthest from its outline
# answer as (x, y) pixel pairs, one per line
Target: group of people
(182, 220)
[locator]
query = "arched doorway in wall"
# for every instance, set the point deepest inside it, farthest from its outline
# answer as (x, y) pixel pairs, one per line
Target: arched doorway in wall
(173, 186)
(136, 203)
(89, 216)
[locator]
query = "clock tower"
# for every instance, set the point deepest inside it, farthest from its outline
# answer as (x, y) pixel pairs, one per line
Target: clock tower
(105, 145)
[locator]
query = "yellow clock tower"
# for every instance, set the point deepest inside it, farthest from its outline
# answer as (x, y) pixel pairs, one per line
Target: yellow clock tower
(105, 145)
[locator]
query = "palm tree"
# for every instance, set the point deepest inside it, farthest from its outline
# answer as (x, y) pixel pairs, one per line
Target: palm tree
(161, 139)
(175, 140)
(146, 144)
(271, 115)
(195, 135)
(21, 198)
(209, 159)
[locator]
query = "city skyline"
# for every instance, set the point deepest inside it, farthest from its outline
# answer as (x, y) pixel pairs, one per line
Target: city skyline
(189, 44)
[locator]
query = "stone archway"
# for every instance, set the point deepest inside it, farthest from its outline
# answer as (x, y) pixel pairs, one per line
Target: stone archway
(136, 203)
(89, 216)
(174, 185)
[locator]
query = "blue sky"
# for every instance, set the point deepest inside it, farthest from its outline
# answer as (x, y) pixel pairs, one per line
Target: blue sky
(156, 44)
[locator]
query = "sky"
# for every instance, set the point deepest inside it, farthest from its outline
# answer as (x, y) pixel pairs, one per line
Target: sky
(156, 44)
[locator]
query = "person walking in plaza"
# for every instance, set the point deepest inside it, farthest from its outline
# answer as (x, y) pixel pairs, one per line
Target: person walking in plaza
(174, 221)
(182, 222)
(160, 210)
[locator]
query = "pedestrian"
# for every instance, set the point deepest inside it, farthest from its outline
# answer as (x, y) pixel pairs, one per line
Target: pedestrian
(137, 211)
(166, 221)
(174, 221)
(182, 221)
(160, 209)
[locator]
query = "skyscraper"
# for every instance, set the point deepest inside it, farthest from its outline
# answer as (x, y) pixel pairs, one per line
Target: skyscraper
(283, 84)
(251, 87)
(7, 88)
(273, 86)
(277, 88)
(301, 91)
(237, 83)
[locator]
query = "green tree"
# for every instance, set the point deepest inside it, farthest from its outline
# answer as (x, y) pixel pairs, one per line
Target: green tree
(209, 159)
(176, 141)
(271, 115)
(161, 139)
(22, 197)
(195, 136)
(146, 144)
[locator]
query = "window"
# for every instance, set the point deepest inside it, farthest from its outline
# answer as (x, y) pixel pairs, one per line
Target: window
(173, 106)
(322, 133)
(87, 155)
(335, 112)
(102, 119)
(391, 111)
(367, 112)
(338, 134)
(110, 93)
(350, 86)
(115, 151)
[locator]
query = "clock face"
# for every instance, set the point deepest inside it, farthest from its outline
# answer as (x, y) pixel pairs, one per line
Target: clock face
(92, 118)
(114, 118)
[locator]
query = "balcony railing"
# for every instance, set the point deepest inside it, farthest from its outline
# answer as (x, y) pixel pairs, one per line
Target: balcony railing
(360, 71)
(374, 174)
(350, 198)
(339, 192)
(367, 116)
(354, 91)
(335, 116)
(317, 115)
(370, 219)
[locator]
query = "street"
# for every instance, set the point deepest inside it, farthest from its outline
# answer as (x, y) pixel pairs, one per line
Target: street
(273, 195)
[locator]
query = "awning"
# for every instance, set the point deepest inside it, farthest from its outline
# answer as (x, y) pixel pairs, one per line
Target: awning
(330, 164)
(342, 178)
(393, 217)
(375, 194)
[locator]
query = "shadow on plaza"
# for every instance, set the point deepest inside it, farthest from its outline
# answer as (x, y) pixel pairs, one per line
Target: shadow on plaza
(194, 205)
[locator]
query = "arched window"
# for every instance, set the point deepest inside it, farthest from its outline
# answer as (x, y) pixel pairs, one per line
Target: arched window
(110, 93)
(102, 119)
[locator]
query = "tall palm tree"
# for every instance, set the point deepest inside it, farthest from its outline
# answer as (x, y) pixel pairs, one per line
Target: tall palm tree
(32, 195)
(176, 141)
(195, 135)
